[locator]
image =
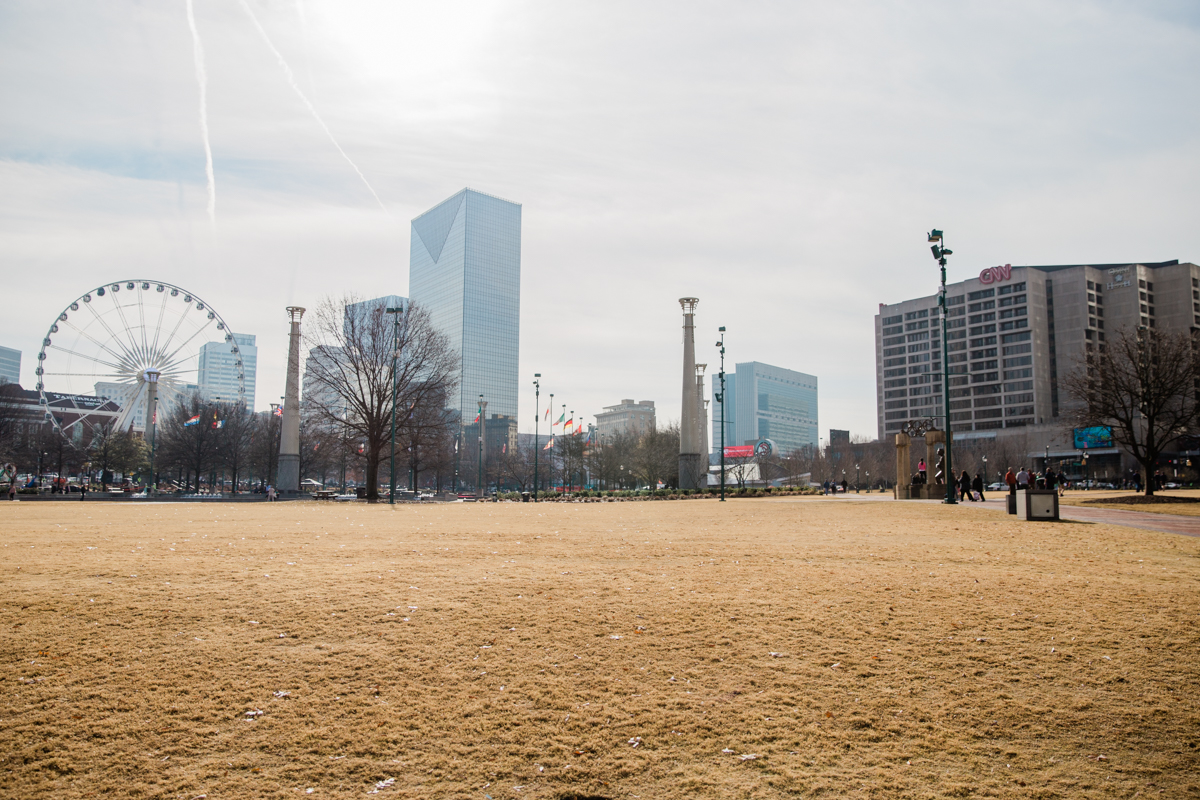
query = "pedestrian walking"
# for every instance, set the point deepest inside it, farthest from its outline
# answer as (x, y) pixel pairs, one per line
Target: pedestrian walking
(964, 485)
(977, 487)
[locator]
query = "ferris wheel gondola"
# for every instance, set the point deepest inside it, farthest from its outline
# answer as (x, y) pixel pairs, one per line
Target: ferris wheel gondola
(93, 363)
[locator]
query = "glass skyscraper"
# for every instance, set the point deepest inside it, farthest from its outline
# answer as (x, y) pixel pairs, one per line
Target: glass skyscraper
(10, 365)
(218, 374)
(465, 271)
(766, 402)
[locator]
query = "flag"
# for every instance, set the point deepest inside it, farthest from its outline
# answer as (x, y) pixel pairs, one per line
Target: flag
(279, 411)
(562, 419)
(218, 423)
(549, 444)
(193, 421)
(567, 427)
(547, 412)
(588, 440)
(477, 418)
(504, 449)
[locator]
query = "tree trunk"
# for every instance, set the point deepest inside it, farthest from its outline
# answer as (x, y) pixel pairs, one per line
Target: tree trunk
(372, 477)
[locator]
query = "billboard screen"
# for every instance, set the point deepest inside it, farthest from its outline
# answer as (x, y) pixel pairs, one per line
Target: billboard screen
(1092, 438)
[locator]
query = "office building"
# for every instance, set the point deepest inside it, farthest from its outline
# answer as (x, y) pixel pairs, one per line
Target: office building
(218, 369)
(120, 395)
(361, 312)
(10, 365)
(626, 418)
(465, 271)
(730, 412)
(1013, 335)
(766, 402)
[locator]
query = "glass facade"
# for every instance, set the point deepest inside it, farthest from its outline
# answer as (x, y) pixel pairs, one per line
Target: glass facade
(777, 404)
(465, 270)
(730, 412)
(10, 365)
(217, 374)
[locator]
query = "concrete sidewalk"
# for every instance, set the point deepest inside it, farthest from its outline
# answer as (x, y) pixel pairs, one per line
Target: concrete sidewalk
(1166, 523)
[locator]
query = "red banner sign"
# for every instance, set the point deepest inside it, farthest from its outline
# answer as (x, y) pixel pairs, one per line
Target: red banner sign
(740, 451)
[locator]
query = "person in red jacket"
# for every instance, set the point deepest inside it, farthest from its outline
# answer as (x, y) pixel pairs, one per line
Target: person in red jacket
(1011, 479)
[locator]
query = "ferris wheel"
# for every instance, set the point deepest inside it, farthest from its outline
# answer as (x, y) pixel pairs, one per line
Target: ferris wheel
(94, 363)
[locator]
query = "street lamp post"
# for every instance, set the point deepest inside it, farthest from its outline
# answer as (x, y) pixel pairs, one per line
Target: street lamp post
(856, 478)
(479, 422)
(273, 449)
(985, 471)
(940, 253)
(721, 400)
(152, 376)
(395, 312)
(537, 418)
(1046, 460)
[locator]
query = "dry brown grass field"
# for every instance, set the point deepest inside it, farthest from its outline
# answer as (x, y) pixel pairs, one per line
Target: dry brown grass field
(757, 649)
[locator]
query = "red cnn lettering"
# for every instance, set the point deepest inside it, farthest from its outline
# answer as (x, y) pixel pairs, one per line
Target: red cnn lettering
(995, 274)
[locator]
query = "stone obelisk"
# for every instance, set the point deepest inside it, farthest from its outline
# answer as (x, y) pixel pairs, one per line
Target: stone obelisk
(690, 466)
(702, 421)
(289, 438)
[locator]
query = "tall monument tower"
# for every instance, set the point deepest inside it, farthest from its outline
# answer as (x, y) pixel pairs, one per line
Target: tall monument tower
(691, 469)
(702, 421)
(289, 438)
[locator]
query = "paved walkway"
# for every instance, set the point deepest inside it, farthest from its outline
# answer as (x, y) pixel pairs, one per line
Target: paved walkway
(1166, 523)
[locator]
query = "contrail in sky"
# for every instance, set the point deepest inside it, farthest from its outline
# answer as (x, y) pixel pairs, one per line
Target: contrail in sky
(296, 87)
(202, 79)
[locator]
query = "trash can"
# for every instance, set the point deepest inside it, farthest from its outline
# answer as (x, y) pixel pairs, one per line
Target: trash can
(1037, 505)
(1011, 498)
(524, 497)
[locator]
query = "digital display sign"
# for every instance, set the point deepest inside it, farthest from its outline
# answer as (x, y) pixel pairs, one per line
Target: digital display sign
(1092, 438)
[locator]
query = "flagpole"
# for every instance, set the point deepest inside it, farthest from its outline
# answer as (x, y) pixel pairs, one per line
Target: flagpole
(537, 410)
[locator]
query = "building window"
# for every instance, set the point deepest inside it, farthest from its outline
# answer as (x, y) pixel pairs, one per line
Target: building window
(982, 293)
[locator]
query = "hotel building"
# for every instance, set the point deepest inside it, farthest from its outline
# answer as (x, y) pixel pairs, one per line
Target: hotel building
(1013, 335)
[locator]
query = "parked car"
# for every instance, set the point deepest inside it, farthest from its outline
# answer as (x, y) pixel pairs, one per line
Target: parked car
(1171, 486)
(997, 487)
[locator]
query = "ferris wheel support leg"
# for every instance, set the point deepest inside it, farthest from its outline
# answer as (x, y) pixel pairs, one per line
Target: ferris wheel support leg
(289, 438)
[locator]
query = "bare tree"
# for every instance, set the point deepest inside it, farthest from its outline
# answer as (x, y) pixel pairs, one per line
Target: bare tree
(234, 439)
(351, 372)
(516, 465)
(657, 457)
(1143, 385)
(188, 445)
(114, 450)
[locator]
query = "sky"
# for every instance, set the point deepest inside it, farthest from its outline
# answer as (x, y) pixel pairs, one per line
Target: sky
(781, 161)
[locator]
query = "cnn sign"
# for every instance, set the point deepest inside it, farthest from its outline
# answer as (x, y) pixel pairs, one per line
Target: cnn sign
(996, 274)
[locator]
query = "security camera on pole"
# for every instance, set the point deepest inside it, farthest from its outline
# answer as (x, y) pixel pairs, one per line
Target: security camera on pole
(940, 253)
